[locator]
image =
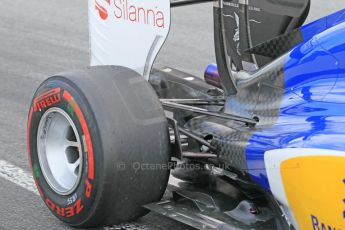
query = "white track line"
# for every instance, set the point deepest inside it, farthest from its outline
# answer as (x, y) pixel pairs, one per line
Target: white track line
(17, 176)
(25, 180)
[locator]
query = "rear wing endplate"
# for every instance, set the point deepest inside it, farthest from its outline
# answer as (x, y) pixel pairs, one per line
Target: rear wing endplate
(128, 33)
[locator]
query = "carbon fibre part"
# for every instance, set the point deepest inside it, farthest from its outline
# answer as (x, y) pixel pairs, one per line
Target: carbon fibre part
(170, 83)
(218, 206)
(260, 100)
(277, 46)
(249, 23)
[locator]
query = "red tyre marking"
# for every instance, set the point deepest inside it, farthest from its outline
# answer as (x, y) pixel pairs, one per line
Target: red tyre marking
(77, 110)
(39, 188)
(69, 211)
(47, 99)
(50, 204)
(78, 206)
(88, 188)
(61, 211)
(28, 136)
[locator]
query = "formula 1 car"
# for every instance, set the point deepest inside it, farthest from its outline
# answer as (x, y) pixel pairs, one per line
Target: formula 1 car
(257, 144)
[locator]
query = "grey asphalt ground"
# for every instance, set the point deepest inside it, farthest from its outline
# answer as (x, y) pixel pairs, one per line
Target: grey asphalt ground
(40, 38)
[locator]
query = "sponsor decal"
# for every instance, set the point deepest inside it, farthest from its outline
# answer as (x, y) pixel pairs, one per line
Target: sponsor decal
(318, 225)
(344, 201)
(28, 135)
(74, 204)
(88, 189)
(89, 148)
(72, 199)
(130, 11)
(69, 211)
(237, 34)
(39, 188)
(47, 99)
(102, 11)
(315, 191)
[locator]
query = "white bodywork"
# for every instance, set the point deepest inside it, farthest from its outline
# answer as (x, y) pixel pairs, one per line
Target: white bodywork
(128, 33)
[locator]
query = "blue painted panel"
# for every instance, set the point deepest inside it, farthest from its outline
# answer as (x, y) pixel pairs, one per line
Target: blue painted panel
(312, 113)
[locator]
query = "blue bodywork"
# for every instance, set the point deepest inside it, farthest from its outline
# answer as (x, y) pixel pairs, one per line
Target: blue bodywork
(312, 113)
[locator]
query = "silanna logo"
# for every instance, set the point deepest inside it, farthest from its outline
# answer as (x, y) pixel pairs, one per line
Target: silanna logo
(126, 10)
(102, 10)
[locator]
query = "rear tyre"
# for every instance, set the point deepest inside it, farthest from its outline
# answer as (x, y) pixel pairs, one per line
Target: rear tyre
(98, 145)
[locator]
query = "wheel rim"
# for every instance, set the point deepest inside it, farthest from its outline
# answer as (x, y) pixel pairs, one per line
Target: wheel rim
(59, 151)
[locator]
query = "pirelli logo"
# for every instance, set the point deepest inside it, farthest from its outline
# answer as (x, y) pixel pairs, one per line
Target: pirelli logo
(47, 99)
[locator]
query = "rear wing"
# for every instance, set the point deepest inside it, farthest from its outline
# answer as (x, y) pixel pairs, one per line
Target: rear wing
(128, 33)
(176, 3)
(251, 34)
